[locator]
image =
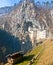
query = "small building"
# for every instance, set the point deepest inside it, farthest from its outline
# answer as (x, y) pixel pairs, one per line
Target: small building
(41, 34)
(15, 57)
(36, 34)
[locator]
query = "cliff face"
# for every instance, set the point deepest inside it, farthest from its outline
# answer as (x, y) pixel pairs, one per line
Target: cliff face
(26, 14)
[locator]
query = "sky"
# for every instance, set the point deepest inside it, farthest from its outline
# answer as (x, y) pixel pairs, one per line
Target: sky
(4, 3)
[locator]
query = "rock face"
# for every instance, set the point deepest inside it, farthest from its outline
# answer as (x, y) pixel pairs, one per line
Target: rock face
(26, 13)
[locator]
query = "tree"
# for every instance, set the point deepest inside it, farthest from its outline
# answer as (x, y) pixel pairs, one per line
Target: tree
(47, 3)
(51, 2)
(43, 3)
(38, 2)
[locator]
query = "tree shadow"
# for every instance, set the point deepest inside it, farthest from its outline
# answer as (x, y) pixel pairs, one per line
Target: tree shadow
(8, 44)
(28, 45)
(26, 58)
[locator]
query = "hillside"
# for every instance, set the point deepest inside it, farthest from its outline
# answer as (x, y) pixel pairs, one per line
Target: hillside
(24, 15)
(5, 10)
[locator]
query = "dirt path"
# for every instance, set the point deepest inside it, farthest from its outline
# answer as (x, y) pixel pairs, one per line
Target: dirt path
(47, 57)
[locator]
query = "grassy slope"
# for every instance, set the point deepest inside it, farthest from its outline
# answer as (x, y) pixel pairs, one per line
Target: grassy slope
(30, 55)
(47, 56)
